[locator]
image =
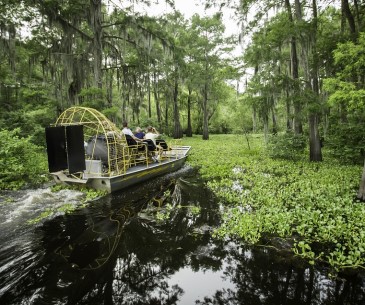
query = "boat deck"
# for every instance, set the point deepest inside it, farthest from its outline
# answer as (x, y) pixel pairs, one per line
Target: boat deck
(168, 156)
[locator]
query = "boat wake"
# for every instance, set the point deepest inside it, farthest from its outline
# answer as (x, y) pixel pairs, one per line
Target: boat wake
(19, 240)
(23, 206)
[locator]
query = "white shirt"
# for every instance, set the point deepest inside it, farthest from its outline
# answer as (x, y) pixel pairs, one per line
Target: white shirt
(127, 131)
(151, 136)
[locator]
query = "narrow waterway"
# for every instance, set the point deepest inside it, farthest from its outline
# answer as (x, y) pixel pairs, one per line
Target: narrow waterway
(151, 245)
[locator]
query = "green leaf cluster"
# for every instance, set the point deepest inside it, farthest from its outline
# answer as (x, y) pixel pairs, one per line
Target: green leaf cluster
(21, 162)
(346, 142)
(311, 204)
(287, 146)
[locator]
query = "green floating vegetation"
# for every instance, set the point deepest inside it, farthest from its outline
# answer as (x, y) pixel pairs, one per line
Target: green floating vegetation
(312, 204)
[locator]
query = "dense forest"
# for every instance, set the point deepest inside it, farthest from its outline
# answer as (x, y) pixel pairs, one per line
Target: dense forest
(299, 81)
(307, 61)
(301, 71)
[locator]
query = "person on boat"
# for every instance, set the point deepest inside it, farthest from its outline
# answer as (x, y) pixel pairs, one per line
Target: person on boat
(153, 134)
(129, 132)
(139, 133)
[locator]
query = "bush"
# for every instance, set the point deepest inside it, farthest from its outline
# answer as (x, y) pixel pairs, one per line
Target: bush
(21, 162)
(346, 142)
(287, 146)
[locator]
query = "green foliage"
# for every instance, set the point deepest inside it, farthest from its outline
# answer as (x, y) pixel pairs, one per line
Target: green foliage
(35, 121)
(345, 139)
(344, 93)
(311, 204)
(350, 57)
(346, 142)
(164, 214)
(286, 146)
(145, 122)
(92, 97)
(92, 194)
(112, 113)
(21, 162)
(27, 108)
(241, 117)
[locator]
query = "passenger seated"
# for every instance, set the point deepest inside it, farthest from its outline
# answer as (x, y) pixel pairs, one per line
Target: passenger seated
(152, 135)
(139, 133)
(129, 132)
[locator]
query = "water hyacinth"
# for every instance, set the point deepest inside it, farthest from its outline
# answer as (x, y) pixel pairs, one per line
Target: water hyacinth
(312, 204)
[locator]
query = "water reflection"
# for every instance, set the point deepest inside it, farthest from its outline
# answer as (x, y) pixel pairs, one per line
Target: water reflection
(116, 252)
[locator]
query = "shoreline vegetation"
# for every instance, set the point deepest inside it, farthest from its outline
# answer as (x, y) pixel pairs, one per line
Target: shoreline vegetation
(311, 206)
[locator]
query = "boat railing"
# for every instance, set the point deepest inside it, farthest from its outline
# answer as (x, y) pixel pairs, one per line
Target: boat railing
(175, 149)
(138, 154)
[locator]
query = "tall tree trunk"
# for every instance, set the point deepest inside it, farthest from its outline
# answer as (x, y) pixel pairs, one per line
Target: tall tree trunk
(315, 149)
(95, 23)
(205, 104)
(346, 11)
(361, 192)
(189, 129)
(266, 127)
(178, 133)
(125, 94)
(274, 120)
(358, 19)
(289, 119)
(109, 82)
(167, 110)
(298, 128)
(254, 107)
(158, 107)
(149, 95)
(157, 100)
(12, 50)
(254, 119)
(205, 113)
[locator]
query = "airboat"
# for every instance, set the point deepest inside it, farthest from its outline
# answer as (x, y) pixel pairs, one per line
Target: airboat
(85, 148)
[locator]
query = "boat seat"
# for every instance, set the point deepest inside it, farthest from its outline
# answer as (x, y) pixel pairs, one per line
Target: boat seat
(137, 150)
(162, 143)
(165, 148)
(153, 149)
(150, 145)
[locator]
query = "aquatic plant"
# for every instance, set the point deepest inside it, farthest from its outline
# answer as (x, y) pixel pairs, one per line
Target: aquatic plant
(312, 204)
(40, 217)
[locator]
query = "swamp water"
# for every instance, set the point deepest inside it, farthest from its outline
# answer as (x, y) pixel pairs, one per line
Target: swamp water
(126, 249)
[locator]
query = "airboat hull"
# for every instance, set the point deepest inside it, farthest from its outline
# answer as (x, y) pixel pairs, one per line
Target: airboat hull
(133, 176)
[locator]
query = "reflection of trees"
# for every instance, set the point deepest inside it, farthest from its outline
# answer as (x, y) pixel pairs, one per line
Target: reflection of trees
(73, 270)
(263, 276)
(151, 253)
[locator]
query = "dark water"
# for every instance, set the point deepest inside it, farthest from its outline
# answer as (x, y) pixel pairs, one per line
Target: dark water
(115, 251)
